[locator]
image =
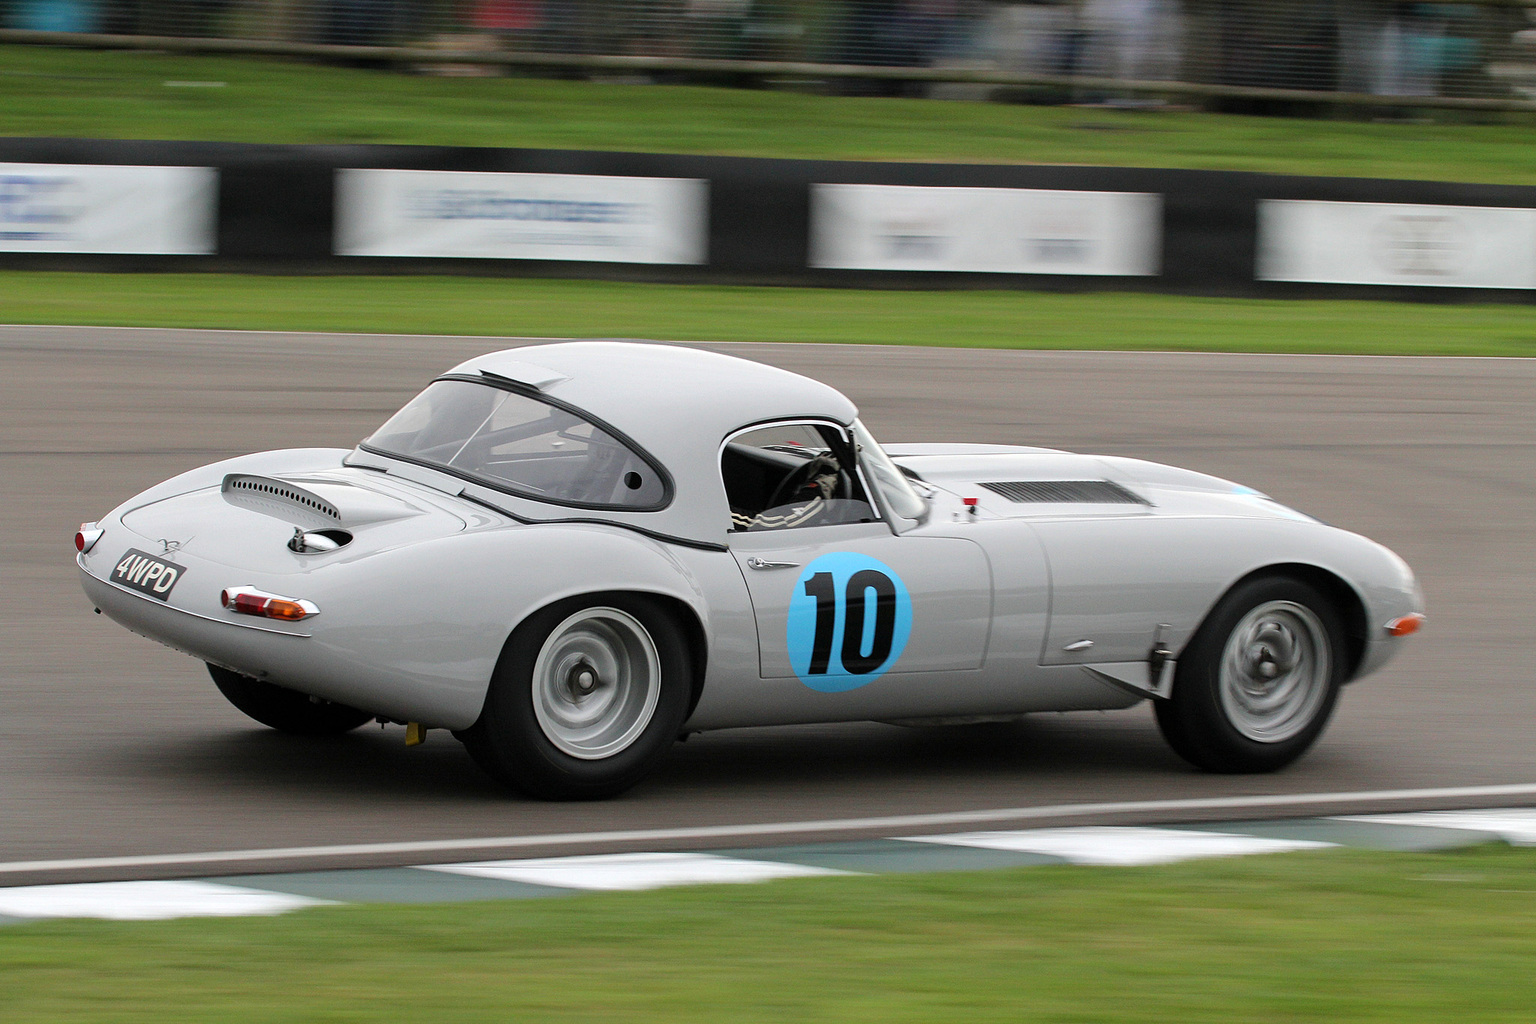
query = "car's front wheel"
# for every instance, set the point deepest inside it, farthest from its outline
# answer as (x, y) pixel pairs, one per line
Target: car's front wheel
(588, 696)
(286, 710)
(1258, 681)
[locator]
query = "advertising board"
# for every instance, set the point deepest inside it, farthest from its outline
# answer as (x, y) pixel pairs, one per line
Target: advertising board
(1396, 244)
(493, 215)
(108, 208)
(985, 230)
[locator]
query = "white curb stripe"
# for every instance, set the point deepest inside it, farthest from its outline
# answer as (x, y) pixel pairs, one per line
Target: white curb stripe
(146, 901)
(1088, 845)
(633, 870)
(1515, 825)
(1123, 846)
(891, 823)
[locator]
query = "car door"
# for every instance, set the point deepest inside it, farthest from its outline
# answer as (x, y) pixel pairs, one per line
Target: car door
(840, 606)
(842, 601)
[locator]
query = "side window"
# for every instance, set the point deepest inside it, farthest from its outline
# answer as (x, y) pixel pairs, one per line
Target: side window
(791, 475)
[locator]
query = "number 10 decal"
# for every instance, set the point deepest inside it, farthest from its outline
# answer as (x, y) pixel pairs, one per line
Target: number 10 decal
(849, 619)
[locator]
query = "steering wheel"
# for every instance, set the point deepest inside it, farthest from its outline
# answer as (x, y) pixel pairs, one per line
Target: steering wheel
(800, 478)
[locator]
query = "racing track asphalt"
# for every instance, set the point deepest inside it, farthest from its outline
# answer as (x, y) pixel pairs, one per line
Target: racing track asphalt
(114, 746)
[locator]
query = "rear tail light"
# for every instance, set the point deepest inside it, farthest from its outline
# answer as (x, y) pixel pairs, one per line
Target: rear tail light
(1405, 625)
(87, 536)
(250, 601)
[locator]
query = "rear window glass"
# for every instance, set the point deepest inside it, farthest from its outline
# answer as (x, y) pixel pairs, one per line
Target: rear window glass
(518, 443)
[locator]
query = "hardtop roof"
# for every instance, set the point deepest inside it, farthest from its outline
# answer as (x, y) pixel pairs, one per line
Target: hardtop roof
(677, 403)
(650, 390)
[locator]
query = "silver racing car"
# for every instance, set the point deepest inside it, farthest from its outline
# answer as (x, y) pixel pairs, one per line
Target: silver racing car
(572, 554)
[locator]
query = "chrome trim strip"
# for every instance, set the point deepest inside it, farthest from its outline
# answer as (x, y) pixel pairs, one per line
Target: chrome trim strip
(762, 563)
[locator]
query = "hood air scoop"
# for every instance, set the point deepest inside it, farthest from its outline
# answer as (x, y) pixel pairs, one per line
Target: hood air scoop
(1080, 492)
(318, 503)
(280, 499)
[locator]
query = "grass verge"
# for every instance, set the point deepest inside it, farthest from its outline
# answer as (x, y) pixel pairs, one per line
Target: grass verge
(47, 91)
(585, 309)
(1336, 935)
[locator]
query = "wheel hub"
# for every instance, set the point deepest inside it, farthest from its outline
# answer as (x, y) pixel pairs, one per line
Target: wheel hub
(1275, 671)
(596, 683)
(582, 680)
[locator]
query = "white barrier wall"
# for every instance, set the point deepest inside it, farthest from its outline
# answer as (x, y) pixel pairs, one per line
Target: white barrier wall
(1396, 244)
(104, 208)
(92, 203)
(985, 230)
(469, 214)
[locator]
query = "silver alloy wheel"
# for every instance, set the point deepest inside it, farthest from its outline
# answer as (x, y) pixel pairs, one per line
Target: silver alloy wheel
(596, 683)
(1275, 671)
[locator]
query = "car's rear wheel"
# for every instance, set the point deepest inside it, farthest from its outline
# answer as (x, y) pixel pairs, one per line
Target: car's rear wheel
(588, 696)
(1258, 681)
(286, 710)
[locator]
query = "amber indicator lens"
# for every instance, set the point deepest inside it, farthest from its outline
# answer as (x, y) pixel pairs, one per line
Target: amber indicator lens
(250, 601)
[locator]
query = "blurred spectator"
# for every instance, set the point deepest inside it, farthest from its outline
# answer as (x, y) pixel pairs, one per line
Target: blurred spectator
(1387, 47)
(774, 30)
(55, 15)
(898, 33)
(1402, 61)
(357, 22)
(1127, 39)
(509, 19)
(1278, 46)
(1130, 39)
(1030, 38)
(714, 26)
(1418, 45)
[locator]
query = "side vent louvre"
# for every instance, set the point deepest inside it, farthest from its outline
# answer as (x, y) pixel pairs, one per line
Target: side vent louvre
(267, 490)
(1084, 492)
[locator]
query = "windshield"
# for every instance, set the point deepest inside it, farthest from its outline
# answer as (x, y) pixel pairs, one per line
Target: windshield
(890, 481)
(518, 443)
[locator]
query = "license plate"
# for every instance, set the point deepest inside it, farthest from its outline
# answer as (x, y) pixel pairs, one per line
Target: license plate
(141, 571)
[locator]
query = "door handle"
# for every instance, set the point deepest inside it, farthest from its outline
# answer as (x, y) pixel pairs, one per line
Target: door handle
(762, 563)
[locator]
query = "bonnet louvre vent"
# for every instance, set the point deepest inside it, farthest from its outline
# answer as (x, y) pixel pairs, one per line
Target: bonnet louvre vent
(1086, 492)
(270, 490)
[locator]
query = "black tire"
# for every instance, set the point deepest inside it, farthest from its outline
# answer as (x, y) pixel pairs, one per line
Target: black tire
(1258, 681)
(530, 735)
(286, 710)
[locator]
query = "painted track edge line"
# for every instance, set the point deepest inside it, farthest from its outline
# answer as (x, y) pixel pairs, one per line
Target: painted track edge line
(900, 822)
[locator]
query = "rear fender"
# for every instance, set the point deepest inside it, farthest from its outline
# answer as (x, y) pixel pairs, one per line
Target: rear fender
(422, 627)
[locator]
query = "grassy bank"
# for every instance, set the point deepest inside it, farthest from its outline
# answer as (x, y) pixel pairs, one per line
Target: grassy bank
(537, 308)
(77, 93)
(1337, 935)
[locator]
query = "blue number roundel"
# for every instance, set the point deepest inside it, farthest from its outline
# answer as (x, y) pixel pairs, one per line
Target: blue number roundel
(849, 619)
